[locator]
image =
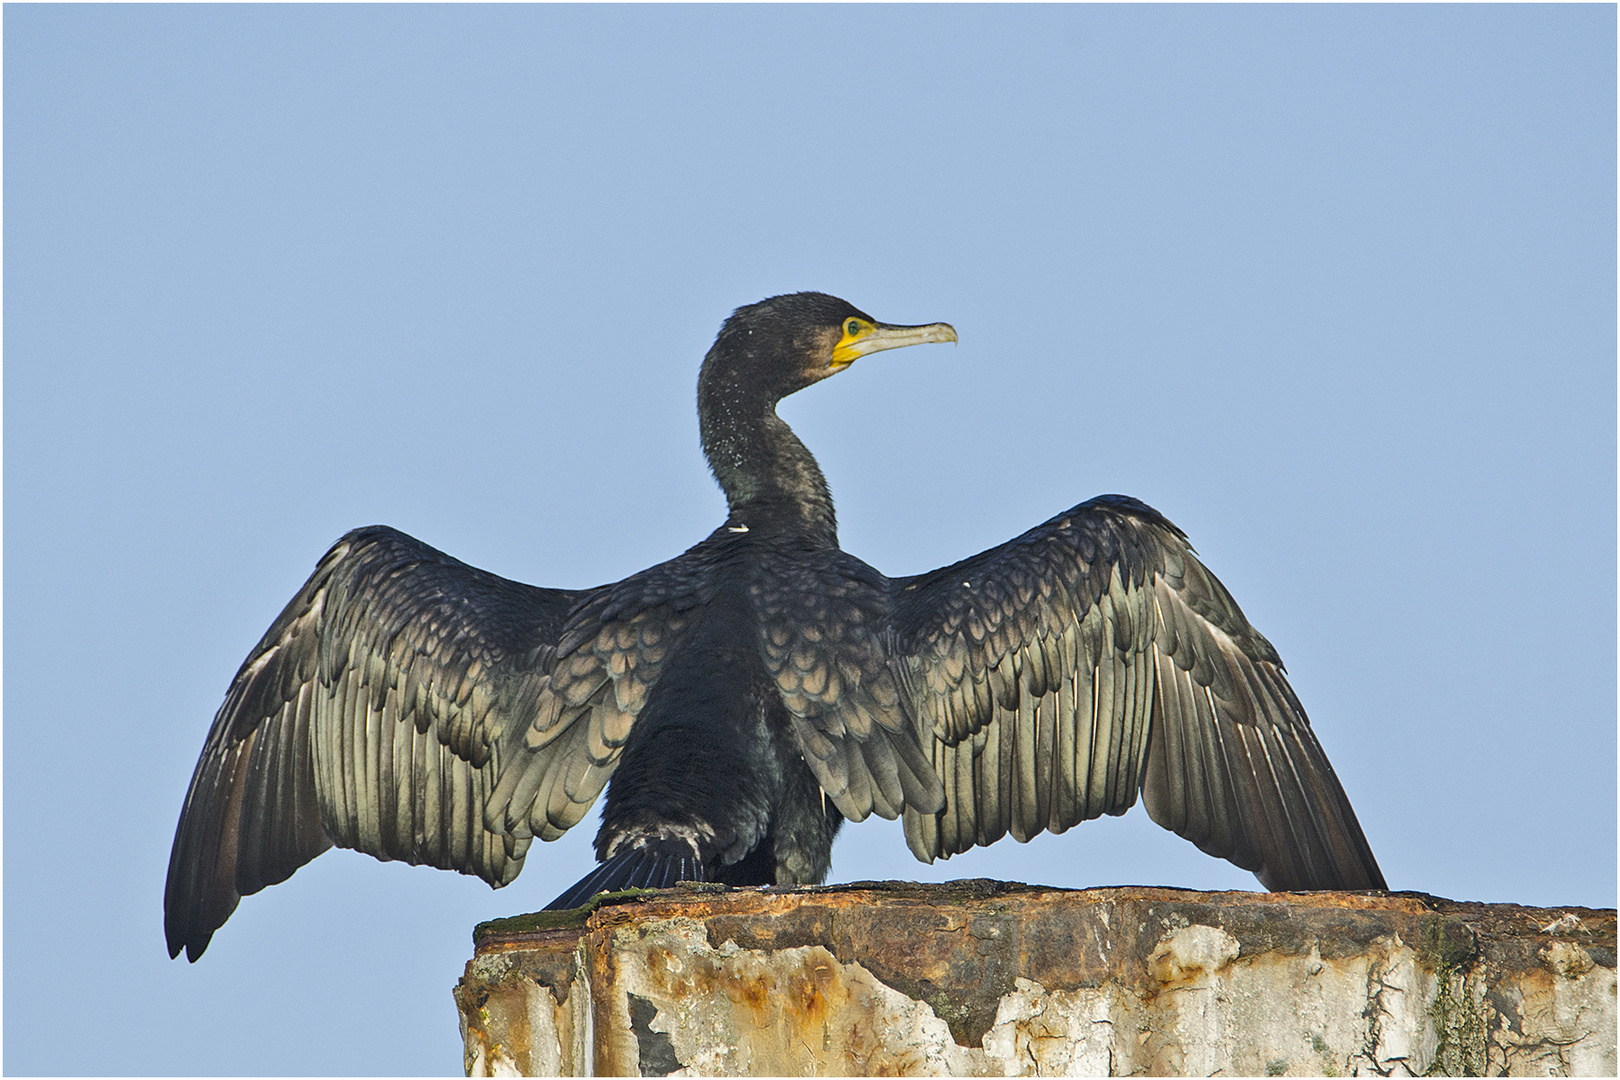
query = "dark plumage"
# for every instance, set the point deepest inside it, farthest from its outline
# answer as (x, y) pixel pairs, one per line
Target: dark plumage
(749, 695)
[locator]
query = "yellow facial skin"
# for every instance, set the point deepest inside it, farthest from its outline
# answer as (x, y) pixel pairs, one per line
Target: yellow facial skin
(861, 337)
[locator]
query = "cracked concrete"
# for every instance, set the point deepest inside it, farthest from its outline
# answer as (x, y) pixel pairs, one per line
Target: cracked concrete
(985, 978)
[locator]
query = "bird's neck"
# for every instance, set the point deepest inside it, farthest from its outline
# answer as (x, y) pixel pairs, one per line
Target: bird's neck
(769, 477)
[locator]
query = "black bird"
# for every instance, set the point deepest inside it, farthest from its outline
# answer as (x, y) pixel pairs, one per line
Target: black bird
(742, 699)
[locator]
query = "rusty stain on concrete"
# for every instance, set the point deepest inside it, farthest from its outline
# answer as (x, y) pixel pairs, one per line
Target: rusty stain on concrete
(987, 978)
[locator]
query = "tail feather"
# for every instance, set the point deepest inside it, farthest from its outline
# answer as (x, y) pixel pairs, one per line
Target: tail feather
(645, 871)
(658, 864)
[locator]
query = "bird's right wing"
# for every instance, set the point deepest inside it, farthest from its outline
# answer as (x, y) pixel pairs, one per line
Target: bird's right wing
(371, 716)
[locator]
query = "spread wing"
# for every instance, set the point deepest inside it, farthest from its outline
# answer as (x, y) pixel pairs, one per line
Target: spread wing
(1058, 674)
(370, 716)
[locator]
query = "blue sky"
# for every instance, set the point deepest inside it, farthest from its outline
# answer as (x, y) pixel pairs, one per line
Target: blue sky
(1332, 287)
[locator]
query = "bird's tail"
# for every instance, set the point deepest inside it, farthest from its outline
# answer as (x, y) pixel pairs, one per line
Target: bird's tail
(657, 864)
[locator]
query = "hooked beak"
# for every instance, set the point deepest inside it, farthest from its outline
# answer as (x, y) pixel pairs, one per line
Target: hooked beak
(883, 336)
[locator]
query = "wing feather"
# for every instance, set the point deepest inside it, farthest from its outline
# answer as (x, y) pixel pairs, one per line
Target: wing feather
(1025, 762)
(1094, 657)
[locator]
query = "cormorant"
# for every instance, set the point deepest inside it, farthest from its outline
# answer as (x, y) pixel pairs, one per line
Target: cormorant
(742, 699)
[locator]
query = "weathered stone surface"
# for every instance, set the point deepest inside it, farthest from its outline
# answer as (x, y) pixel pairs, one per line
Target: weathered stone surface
(985, 979)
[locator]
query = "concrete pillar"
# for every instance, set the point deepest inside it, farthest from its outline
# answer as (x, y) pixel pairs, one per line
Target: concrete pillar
(981, 978)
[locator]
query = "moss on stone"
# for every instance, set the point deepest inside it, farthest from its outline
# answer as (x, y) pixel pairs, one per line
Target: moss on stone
(566, 919)
(1445, 945)
(1450, 951)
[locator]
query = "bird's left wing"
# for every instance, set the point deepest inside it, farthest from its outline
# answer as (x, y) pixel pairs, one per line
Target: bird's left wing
(1095, 656)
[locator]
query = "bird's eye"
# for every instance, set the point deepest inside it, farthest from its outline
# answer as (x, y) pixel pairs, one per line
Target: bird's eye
(852, 328)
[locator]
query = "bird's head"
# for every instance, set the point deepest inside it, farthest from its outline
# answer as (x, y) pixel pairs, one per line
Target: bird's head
(781, 345)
